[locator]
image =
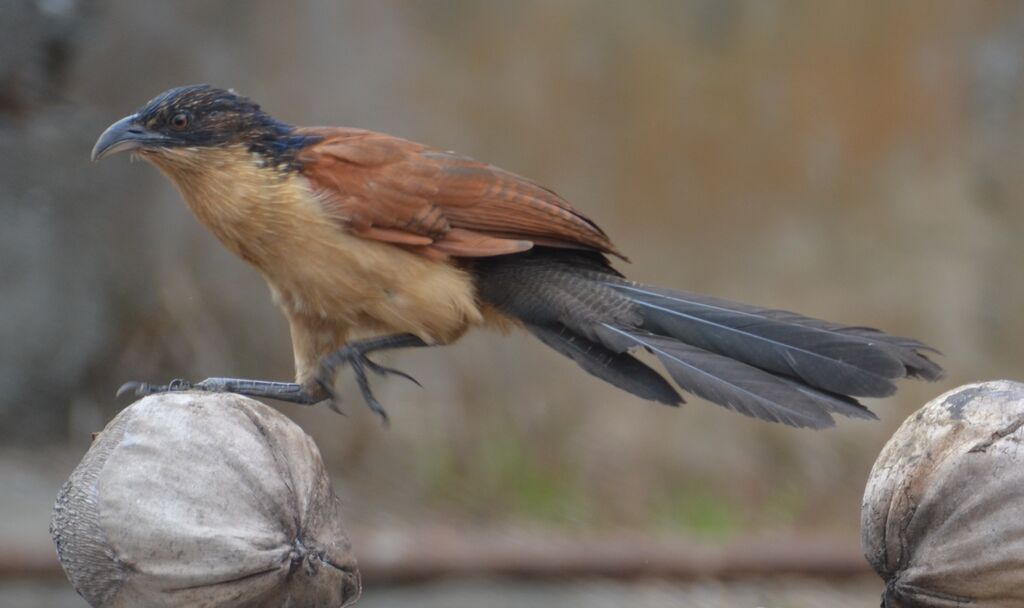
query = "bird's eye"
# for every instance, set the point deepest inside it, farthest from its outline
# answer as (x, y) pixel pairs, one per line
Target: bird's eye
(179, 121)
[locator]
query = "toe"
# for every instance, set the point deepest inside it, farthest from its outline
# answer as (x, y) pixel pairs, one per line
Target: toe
(382, 370)
(139, 388)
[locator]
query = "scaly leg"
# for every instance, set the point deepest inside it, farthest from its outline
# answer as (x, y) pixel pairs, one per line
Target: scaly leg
(353, 353)
(282, 391)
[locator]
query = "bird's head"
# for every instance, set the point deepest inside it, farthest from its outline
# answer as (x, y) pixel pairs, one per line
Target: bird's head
(182, 124)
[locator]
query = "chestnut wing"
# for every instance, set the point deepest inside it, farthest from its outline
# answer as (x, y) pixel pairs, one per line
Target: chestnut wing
(394, 190)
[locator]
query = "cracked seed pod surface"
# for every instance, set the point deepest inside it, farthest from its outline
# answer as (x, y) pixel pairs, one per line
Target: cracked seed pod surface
(943, 514)
(207, 500)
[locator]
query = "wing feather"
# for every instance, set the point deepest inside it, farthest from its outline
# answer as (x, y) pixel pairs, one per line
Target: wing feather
(394, 190)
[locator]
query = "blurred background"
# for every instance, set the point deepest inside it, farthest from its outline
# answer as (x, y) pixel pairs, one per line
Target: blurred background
(855, 161)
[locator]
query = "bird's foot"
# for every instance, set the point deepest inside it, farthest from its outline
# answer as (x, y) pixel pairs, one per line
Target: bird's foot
(141, 389)
(354, 354)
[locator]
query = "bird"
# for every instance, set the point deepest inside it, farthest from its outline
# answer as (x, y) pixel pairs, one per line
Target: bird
(370, 242)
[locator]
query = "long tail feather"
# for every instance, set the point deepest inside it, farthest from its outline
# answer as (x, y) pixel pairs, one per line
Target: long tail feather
(617, 368)
(851, 348)
(736, 385)
(770, 364)
(826, 360)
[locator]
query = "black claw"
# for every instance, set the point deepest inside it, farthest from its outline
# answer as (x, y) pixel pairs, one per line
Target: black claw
(177, 385)
(138, 387)
(354, 353)
(359, 363)
(382, 370)
(333, 404)
(376, 408)
(325, 381)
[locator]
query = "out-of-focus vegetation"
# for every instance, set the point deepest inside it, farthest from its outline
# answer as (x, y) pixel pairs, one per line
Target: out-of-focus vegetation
(857, 161)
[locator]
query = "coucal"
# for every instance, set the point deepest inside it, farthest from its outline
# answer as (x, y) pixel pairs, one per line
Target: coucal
(369, 236)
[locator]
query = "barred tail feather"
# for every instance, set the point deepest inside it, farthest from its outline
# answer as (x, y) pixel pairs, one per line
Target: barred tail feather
(617, 368)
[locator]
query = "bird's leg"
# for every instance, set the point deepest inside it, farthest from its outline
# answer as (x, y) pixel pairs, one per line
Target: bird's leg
(354, 354)
(282, 391)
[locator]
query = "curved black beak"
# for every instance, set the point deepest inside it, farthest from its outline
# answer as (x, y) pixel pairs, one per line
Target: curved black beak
(125, 134)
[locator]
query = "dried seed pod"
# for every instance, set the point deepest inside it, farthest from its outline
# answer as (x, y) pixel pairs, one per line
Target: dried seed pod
(943, 514)
(192, 499)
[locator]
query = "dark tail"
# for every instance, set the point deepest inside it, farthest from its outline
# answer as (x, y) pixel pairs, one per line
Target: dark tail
(770, 364)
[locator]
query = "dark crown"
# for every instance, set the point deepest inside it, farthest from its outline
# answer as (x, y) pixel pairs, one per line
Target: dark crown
(217, 117)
